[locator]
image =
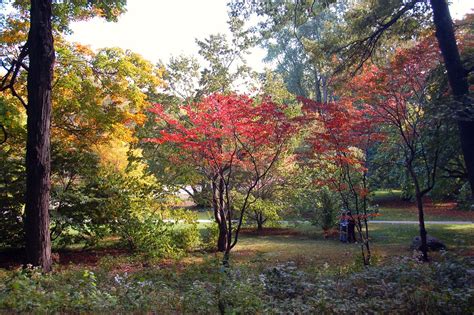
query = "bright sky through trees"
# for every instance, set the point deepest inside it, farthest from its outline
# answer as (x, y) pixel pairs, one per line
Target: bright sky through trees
(161, 28)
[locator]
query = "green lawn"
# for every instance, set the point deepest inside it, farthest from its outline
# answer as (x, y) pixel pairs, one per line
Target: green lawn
(411, 214)
(455, 236)
(383, 195)
(310, 248)
(205, 215)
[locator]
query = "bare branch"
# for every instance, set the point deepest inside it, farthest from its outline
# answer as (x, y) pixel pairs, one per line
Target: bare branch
(361, 50)
(9, 80)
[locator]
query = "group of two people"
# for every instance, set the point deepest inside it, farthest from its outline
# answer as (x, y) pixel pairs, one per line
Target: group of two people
(347, 228)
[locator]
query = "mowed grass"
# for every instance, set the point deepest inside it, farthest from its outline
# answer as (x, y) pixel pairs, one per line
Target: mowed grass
(455, 236)
(384, 195)
(303, 251)
(410, 213)
(311, 249)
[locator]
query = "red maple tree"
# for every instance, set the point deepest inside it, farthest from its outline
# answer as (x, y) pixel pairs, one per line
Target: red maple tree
(223, 135)
(399, 95)
(341, 135)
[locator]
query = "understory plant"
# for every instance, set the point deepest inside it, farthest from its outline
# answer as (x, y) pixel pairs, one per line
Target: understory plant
(403, 285)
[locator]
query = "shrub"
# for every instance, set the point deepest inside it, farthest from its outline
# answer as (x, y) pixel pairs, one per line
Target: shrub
(186, 238)
(327, 210)
(201, 298)
(209, 237)
(149, 235)
(240, 293)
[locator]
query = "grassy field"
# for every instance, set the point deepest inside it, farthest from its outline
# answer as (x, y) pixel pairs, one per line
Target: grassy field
(311, 249)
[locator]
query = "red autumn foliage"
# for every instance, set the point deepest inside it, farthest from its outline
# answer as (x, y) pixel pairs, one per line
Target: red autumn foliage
(342, 129)
(226, 130)
(341, 135)
(390, 91)
(222, 134)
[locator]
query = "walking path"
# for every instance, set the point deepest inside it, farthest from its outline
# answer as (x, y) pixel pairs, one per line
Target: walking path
(376, 221)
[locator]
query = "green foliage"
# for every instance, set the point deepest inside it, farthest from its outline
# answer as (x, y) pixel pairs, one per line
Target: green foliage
(233, 292)
(240, 292)
(12, 179)
(221, 55)
(407, 287)
(12, 186)
(328, 209)
(210, 235)
(107, 202)
(64, 12)
(260, 210)
(268, 210)
(156, 238)
(149, 235)
(304, 202)
(403, 285)
(28, 290)
(464, 198)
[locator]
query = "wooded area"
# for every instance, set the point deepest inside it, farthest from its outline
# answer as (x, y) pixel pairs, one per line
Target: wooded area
(339, 179)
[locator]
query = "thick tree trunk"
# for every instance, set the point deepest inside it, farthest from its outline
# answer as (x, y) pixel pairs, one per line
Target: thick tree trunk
(40, 75)
(457, 77)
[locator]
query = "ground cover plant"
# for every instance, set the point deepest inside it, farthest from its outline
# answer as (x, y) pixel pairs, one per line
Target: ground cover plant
(265, 277)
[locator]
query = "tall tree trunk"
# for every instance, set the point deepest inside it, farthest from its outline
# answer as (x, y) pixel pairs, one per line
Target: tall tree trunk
(40, 75)
(222, 238)
(457, 77)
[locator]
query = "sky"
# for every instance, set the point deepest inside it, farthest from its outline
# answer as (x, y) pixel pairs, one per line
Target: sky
(158, 29)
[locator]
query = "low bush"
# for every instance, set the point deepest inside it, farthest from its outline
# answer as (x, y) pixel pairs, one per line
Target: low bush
(209, 237)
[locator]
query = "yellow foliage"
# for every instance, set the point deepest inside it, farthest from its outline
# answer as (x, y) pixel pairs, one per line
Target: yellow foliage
(113, 154)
